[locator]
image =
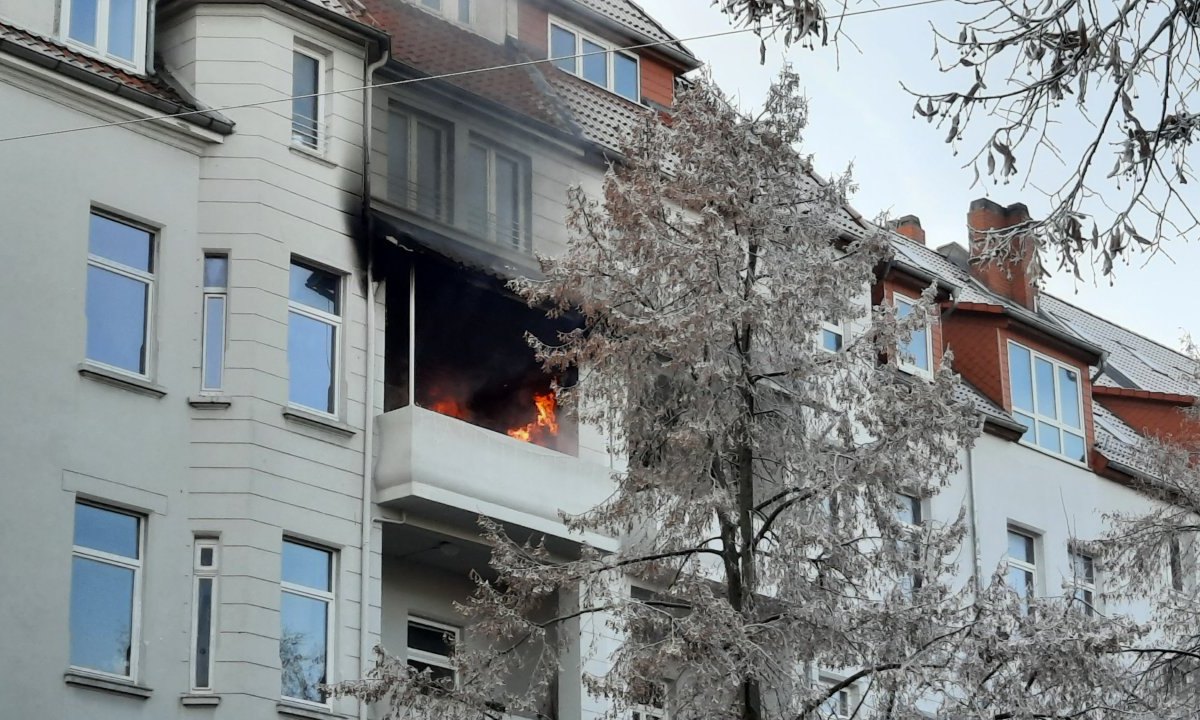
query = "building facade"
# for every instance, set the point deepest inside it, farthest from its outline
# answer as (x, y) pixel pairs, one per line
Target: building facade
(272, 374)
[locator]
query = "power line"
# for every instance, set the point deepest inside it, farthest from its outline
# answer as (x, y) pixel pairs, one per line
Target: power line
(444, 76)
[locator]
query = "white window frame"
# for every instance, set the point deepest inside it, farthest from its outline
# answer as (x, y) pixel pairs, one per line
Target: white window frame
(1057, 423)
(213, 292)
(100, 49)
(610, 53)
(402, 196)
(294, 306)
(1181, 563)
(146, 278)
(899, 299)
(135, 624)
(491, 231)
(329, 597)
(211, 573)
(422, 656)
(321, 129)
(452, 10)
(650, 711)
(913, 530)
(843, 699)
(1033, 591)
(838, 329)
(1081, 584)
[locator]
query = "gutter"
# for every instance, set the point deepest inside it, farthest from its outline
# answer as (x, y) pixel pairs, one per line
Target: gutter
(199, 117)
(368, 472)
(974, 516)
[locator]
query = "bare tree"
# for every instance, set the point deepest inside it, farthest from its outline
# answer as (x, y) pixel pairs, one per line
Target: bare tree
(759, 511)
(1029, 74)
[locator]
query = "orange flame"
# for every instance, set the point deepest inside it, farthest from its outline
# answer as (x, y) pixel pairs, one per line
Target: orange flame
(547, 422)
(449, 407)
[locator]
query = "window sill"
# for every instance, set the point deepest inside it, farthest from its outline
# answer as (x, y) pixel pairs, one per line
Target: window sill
(317, 420)
(316, 156)
(112, 685)
(308, 712)
(199, 700)
(210, 402)
(1050, 453)
(121, 380)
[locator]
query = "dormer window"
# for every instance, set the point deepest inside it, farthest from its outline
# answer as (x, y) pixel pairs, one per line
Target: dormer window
(1047, 399)
(460, 11)
(115, 30)
(595, 60)
(916, 355)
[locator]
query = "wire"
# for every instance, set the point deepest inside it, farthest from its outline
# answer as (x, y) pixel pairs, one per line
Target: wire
(444, 76)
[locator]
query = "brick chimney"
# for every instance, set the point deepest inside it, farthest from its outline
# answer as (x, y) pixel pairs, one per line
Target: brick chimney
(1014, 276)
(910, 227)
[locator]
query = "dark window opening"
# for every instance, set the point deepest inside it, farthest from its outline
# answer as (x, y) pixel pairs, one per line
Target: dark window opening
(471, 356)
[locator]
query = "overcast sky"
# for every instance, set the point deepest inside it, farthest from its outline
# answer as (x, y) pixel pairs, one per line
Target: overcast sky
(861, 115)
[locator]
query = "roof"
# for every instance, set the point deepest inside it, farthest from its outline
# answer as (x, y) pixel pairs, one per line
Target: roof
(631, 15)
(433, 46)
(156, 90)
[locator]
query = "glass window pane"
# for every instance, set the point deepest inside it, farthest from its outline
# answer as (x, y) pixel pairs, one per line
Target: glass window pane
(625, 77)
(214, 341)
(1020, 547)
(116, 319)
(508, 201)
(433, 4)
(908, 509)
(1021, 581)
(917, 349)
(83, 21)
(1068, 384)
(429, 639)
(311, 362)
(1021, 377)
(315, 288)
(562, 47)
(464, 11)
(206, 557)
(1083, 568)
(1074, 447)
(216, 271)
(595, 63)
(1028, 423)
(436, 673)
(304, 630)
(429, 169)
(204, 598)
(305, 81)
(1044, 374)
(106, 530)
(122, 24)
(831, 340)
(101, 615)
(398, 182)
(476, 204)
(1047, 437)
(121, 243)
(307, 566)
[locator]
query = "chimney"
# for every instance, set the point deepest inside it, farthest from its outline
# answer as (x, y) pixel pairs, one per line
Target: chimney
(910, 227)
(1014, 273)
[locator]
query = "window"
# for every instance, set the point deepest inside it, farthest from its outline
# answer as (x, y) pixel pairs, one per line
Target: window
(497, 192)
(456, 10)
(1083, 582)
(417, 153)
(650, 701)
(595, 61)
(915, 354)
(832, 337)
(1022, 566)
(106, 566)
(120, 292)
(306, 621)
(307, 102)
(1047, 400)
(836, 705)
(115, 29)
(1180, 562)
(910, 516)
(204, 569)
(430, 645)
(212, 344)
(314, 329)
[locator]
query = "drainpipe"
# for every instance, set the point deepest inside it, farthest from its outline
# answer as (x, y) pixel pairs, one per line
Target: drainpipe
(368, 479)
(974, 519)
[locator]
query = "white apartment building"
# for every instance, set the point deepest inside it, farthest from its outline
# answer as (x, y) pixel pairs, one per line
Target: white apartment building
(272, 376)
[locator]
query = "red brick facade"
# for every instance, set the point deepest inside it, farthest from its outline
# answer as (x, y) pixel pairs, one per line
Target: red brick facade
(1158, 415)
(658, 82)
